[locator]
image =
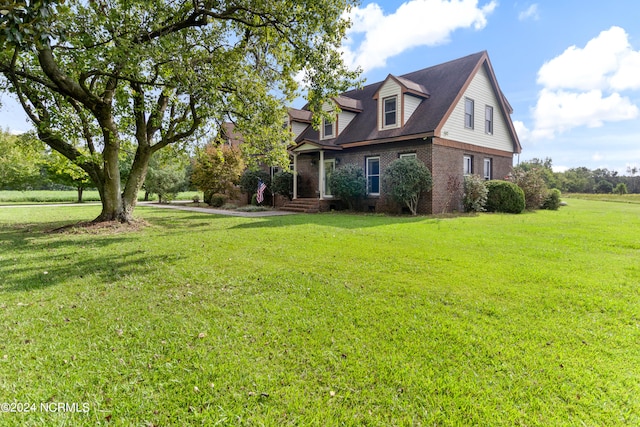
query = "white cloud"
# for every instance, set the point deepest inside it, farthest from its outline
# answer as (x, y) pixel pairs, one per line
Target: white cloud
(582, 86)
(530, 13)
(560, 111)
(606, 62)
(375, 37)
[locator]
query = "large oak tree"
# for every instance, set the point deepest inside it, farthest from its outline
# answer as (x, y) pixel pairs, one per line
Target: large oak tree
(94, 75)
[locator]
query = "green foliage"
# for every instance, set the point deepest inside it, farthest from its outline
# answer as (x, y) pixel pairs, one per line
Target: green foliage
(218, 200)
(532, 183)
(250, 178)
(348, 182)
(283, 184)
(552, 201)
(405, 180)
(20, 160)
(217, 169)
(603, 187)
(621, 188)
(92, 75)
(504, 196)
(475, 194)
(491, 320)
(165, 181)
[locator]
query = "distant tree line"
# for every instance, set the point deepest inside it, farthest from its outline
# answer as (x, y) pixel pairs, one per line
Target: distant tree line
(585, 180)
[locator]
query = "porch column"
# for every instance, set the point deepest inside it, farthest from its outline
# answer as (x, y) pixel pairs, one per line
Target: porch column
(295, 176)
(321, 175)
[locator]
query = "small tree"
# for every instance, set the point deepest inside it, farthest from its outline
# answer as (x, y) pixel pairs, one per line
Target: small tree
(283, 184)
(216, 170)
(475, 194)
(405, 180)
(62, 171)
(532, 183)
(349, 183)
(621, 188)
(165, 180)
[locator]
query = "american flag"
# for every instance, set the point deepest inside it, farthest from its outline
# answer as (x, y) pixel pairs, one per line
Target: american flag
(261, 187)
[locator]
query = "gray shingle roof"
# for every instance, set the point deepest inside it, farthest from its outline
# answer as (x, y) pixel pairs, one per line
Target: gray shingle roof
(442, 84)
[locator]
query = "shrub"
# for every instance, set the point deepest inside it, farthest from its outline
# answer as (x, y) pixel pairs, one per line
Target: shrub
(621, 188)
(532, 183)
(348, 182)
(283, 184)
(475, 194)
(404, 180)
(217, 200)
(552, 201)
(196, 198)
(504, 196)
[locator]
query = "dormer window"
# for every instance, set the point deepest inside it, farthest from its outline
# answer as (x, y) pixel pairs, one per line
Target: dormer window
(327, 129)
(390, 111)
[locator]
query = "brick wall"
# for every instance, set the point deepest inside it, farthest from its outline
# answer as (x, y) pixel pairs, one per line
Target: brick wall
(443, 158)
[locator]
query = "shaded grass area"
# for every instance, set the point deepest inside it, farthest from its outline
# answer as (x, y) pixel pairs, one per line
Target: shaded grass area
(56, 196)
(327, 319)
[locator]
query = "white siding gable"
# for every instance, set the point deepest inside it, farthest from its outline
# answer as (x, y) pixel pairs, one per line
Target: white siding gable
(297, 128)
(389, 89)
(481, 92)
(344, 118)
(410, 105)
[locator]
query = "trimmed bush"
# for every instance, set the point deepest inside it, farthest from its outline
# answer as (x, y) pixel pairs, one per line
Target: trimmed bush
(348, 183)
(505, 197)
(217, 200)
(552, 201)
(404, 180)
(475, 194)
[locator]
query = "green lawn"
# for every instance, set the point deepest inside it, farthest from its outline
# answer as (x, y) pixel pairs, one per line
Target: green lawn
(56, 196)
(324, 320)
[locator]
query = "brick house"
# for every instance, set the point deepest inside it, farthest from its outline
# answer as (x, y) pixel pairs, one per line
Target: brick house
(453, 117)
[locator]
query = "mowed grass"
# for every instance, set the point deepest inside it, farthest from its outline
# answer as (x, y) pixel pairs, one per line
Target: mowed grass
(324, 320)
(69, 196)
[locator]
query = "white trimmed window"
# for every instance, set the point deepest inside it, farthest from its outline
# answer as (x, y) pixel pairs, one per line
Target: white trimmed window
(488, 120)
(328, 129)
(468, 165)
(487, 169)
(373, 176)
(468, 113)
(390, 113)
(408, 156)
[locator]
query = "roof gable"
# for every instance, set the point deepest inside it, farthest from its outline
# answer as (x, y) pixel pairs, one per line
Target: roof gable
(439, 87)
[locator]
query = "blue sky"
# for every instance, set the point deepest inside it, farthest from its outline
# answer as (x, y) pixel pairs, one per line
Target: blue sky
(570, 69)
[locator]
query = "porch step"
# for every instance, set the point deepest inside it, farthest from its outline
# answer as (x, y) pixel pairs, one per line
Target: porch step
(302, 205)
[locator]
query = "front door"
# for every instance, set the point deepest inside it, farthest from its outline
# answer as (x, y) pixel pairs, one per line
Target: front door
(329, 167)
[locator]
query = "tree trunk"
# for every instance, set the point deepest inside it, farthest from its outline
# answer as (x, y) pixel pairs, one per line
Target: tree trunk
(80, 190)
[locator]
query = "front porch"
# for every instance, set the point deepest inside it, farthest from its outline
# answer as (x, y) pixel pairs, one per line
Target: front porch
(312, 167)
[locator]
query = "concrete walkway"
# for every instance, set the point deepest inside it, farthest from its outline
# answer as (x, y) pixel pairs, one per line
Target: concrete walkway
(179, 205)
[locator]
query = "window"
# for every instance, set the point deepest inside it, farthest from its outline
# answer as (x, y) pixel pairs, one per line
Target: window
(373, 175)
(468, 113)
(487, 169)
(468, 165)
(488, 120)
(327, 129)
(408, 156)
(390, 110)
